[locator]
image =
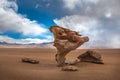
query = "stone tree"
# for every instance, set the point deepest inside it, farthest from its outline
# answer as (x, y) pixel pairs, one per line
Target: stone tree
(65, 40)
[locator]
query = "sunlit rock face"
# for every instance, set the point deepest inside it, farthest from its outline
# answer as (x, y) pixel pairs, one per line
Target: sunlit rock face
(66, 40)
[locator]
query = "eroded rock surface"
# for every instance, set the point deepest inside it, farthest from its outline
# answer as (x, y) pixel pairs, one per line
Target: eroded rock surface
(91, 56)
(65, 40)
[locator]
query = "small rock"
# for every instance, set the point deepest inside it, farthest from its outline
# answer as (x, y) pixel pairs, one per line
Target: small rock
(69, 68)
(72, 62)
(28, 60)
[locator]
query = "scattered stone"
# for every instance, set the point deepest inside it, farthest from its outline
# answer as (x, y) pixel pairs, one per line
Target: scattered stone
(91, 56)
(28, 60)
(69, 68)
(72, 62)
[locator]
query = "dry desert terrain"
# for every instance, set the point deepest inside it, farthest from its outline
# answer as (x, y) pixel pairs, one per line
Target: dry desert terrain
(11, 67)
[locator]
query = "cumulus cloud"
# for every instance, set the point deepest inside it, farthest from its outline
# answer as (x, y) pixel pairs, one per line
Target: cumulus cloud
(100, 35)
(73, 4)
(97, 19)
(11, 21)
(25, 41)
(77, 22)
(94, 8)
(82, 24)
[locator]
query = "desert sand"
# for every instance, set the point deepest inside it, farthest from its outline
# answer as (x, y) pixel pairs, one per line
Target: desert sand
(11, 67)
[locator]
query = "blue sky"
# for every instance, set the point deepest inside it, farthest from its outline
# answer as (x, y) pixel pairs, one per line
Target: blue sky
(28, 21)
(37, 10)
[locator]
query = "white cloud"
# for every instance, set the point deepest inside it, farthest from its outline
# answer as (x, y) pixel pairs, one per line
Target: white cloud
(82, 24)
(96, 8)
(73, 4)
(92, 1)
(6, 5)
(99, 34)
(97, 19)
(25, 41)
(108, 14)
(11, 21)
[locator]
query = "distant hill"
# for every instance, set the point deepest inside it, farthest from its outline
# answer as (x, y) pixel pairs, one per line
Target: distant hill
(3, 43)
(31, 45)
(49, 45)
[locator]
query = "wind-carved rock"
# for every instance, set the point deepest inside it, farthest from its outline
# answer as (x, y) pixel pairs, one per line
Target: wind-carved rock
(65, 40)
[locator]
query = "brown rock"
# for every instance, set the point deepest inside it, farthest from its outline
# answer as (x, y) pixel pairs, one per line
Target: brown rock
(69, 68)
(28, 60)
(66, 40)
(72, 62)
(91, 56)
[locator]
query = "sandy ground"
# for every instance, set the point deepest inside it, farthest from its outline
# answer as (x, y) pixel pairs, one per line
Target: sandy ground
(11, 67)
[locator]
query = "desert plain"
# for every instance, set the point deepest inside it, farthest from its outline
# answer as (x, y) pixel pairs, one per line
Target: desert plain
(12, 68)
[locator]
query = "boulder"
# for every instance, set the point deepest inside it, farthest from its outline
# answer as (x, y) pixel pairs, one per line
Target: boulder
(91, 56)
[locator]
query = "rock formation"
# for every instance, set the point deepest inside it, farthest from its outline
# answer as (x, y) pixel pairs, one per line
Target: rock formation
(65, 40)
(91, 56)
